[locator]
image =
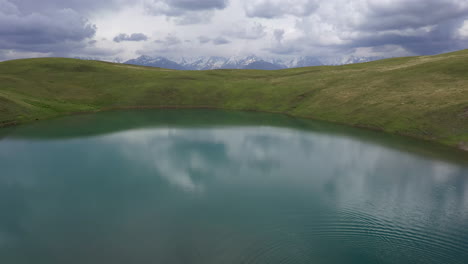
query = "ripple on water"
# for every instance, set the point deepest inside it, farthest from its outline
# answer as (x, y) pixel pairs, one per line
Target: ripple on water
(388, 238)
(325, 238)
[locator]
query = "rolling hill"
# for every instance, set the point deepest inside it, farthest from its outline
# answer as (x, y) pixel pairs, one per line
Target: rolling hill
(424, 97)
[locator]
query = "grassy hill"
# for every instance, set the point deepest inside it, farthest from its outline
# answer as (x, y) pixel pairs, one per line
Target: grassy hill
(424, 97)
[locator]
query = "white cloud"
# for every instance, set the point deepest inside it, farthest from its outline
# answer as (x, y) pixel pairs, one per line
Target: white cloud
(463, 31)
(247, 31)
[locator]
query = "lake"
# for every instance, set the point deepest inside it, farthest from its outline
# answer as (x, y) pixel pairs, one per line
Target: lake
(204, 186)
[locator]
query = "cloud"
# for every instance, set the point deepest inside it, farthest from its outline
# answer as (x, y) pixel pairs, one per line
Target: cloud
(50, 27)
(418, 26)
(185, 12)
(463, 30)
(169, 44)
(440, 38)
(12, 54)
(55, 31)
(177, 8)
(8, 8)
(401, 14)
(271, 27)
(278, 8)
(216, 41)
(221, 41)
(203, 39)
(133, 37)
(279, 34)
(197, 4)
(289, 48)
(254, 31)
(81, 6)
(190, 18)
(169, 40)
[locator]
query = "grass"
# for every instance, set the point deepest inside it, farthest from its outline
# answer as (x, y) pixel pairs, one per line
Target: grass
(424, 97)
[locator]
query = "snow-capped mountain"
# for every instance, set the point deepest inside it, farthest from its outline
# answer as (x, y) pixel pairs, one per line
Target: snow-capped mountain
(201, 63)
(239, 62)
(160, 62)
(207, 63)
(263, 65)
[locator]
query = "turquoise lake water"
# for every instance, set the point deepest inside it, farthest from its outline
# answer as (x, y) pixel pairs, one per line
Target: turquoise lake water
(202, 186)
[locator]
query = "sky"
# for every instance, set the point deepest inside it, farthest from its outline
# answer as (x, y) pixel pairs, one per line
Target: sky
(125, 29)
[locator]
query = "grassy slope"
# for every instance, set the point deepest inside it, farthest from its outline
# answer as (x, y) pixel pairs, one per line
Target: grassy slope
(425, 97)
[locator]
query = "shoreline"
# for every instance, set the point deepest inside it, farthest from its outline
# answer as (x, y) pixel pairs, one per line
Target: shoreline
(462, 146)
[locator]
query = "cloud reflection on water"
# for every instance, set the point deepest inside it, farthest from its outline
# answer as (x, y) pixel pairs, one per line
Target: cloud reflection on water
(190, 158)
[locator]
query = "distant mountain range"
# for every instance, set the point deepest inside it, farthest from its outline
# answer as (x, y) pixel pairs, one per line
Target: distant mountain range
(114, 60)
(247, 62)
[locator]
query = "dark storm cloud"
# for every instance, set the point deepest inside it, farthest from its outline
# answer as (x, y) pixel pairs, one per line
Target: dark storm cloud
(419, 26)
(198, 4)
(42, 32)
(400, 15)
(54, 27)
(133, 37)
(277, 8)
(439, 39)
(181, 7)
(29, 6)
(185, 12)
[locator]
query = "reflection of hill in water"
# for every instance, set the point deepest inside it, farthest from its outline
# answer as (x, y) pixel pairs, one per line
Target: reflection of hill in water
(88, 125)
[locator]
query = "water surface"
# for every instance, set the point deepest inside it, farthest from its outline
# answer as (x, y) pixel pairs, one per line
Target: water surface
(186, 186)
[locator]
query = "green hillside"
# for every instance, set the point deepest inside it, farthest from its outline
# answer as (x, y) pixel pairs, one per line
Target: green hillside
(424, 97)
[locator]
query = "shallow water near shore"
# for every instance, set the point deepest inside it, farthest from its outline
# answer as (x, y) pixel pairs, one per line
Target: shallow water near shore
(205, 186)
